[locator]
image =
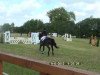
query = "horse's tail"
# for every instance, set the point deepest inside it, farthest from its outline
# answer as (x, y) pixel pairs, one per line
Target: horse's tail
(54, 43)
(97, 42)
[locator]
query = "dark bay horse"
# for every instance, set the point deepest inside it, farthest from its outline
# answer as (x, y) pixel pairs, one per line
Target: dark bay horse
(47, 42)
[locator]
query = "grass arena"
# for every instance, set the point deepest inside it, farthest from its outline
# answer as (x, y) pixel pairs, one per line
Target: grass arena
(77, 53)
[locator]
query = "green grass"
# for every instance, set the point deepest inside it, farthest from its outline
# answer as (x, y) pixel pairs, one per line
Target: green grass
(12, 69)
(79, 50)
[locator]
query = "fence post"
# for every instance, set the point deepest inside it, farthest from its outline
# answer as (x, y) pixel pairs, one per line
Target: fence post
(0, 67)
(41, 73)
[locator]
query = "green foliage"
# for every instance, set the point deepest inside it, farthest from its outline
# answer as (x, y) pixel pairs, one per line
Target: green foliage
(58, 14)
(89, 26)
(12, 69)
(61, 20)
(12, 27)
(18, 29)
(72, 16)
(7, 27)
(32, 26)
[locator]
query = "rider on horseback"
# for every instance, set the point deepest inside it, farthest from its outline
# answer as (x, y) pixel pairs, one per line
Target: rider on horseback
(46, 41)
(44, 33)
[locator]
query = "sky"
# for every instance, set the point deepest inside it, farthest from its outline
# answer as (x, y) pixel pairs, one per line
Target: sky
(20, 11)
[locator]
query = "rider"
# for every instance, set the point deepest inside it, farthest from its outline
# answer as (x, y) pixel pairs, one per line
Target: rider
(44, 33)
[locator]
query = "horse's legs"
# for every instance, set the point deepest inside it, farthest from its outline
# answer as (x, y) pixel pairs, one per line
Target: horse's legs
(40, 47)
(43, 48)
(52, 50)
(48, 49)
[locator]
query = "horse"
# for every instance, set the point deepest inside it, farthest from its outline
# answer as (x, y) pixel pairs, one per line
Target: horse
(94, 41)
(47, 42)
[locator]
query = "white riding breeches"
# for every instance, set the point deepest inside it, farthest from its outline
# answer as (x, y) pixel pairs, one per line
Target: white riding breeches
(43, 38)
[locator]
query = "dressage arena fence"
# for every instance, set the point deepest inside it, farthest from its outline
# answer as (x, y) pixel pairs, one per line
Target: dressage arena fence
(43, 67)
(17, 40)
(67, 37)
(34, 39)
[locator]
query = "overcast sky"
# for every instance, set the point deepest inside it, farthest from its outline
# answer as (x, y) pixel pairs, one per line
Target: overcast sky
(19, 11)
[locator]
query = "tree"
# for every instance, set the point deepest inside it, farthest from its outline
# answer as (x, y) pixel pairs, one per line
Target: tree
(72, 16)
(6, 27)
(48, 27)
(59, 19)
(12, 27)
(32, 26)
(17, 29)
(88, 27)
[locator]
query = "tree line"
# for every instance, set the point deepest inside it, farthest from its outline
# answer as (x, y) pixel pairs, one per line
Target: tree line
(61, 22)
